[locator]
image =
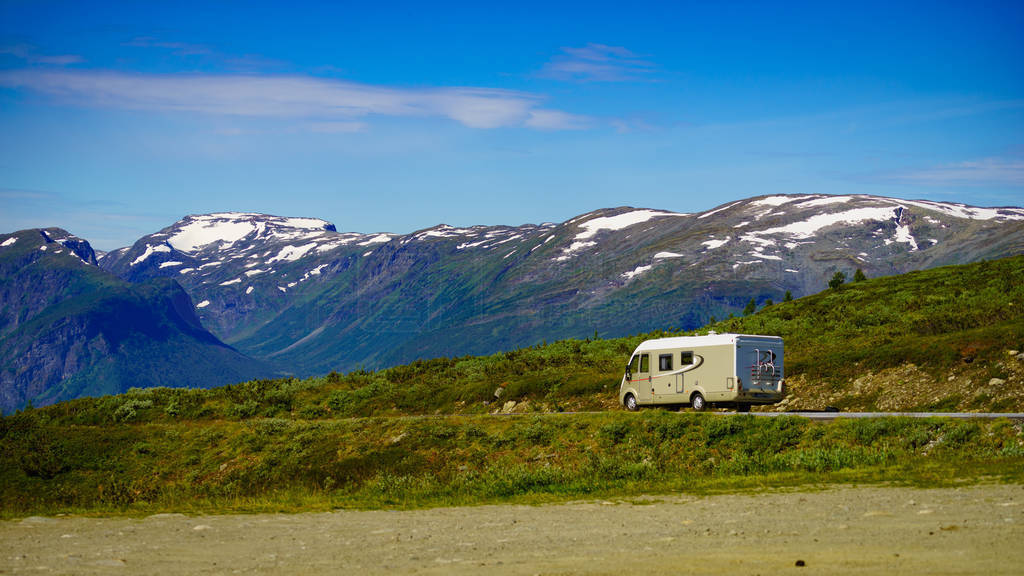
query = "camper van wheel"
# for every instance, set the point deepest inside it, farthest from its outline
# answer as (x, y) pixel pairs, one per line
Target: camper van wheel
(743, 407)
(630, 402)
(698, 403)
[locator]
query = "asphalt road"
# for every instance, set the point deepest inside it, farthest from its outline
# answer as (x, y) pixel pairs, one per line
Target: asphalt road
(834, 415)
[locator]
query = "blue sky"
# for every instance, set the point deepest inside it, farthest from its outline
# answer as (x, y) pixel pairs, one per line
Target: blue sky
(118, 118)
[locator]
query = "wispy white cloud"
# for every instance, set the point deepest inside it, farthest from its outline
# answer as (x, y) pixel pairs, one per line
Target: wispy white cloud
(337, 127)
(30, 55)
(556, 120)
(287, 97)
(598, 63)
(986, 172)
(22, 194)
(178, 48)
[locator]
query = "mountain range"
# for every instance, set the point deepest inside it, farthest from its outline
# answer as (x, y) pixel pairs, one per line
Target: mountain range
(70, 329)
(299, 297)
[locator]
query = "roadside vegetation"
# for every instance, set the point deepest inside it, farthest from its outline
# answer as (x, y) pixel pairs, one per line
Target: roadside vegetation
(420, 434)
(955, 321)
(274, 464)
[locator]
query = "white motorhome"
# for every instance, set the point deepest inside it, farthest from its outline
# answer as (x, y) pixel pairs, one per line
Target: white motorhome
(736, 370)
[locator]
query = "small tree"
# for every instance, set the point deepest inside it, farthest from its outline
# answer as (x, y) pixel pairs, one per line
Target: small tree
(768, 302)
(751, 308)
(788, 297)
(859, 276)
(837, 280)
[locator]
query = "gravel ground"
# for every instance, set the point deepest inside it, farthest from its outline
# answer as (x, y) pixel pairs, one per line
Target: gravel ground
(843, 530)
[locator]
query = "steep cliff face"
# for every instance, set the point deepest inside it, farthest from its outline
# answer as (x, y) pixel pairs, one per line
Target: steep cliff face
(297, 292)
(68, 328)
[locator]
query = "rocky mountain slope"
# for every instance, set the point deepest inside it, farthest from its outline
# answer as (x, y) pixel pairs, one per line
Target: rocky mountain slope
(70, 329)
(295, 292)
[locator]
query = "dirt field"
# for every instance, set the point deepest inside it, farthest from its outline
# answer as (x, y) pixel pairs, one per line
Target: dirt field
(972, 530)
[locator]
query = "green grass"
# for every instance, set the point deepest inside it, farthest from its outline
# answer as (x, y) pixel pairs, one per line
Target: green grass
(940, 319)
(936, 319)
(418, 435)
(287, 465)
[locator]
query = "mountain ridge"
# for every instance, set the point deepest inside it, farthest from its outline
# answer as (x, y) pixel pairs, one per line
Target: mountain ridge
(257, 295)
(69, 328)
(312, 299)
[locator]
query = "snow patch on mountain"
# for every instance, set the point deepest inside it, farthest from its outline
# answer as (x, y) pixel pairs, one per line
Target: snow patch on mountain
(465, 245)
(292, 253)
(572, 249)
(969, 212)
(205, 231)
(661, 255)
(636, 272)
(717, 210)
(620, 221)
(807, 228)
(9, 241)
(773, 201)
(203, 304)
(753, 238)
(440, 231)
(376, 239)
(903, 235)
(712, 244)
(314, 272)
(825, 201)
(226, 228)
(170, 264)
(150, 250)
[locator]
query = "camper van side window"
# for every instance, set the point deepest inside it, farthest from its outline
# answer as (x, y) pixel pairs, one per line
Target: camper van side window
(633, 363)
(685, 358)
(645, 363)
(664, 362)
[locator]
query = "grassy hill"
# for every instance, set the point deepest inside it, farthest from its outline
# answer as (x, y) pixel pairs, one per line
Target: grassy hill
(931, 340)
(925, 340)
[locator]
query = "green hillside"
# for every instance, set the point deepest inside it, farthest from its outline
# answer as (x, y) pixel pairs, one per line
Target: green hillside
(69, 329)
(923, 341)
(355, 440)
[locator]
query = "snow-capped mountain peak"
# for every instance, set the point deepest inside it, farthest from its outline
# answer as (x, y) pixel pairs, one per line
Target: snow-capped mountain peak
(196, 232)
(295, 287)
